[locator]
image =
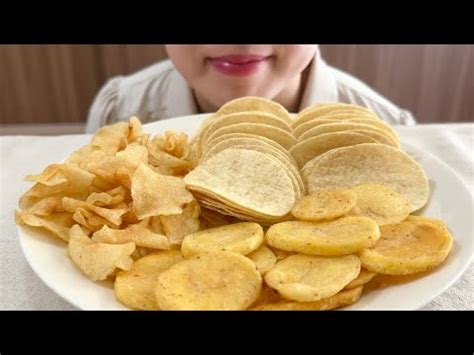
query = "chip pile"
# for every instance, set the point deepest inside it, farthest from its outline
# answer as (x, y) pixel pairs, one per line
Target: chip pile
(259, 211)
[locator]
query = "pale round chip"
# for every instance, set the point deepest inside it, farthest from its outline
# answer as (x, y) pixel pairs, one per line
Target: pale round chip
(408, 248)
(371, 163)
(250, 179)
(310, 148)
(135, 288)
(306, 278)
(341, 299)
(240, 238)
(380, 203)
(364, 277)
(342, 236)
(308, 167)
(324, 205)
(280, 136)
(263, 258)
(318, 111)
(253, 103)
(212, 281)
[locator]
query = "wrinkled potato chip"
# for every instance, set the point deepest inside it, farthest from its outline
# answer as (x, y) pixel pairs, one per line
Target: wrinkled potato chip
(307, 278)
(342, 236)
(142, 236)
(90, 220)
(408, 248)
(51, 176)
(263, 258)
(135, 288)
(114, 216)
(45, 206)
(212, 281)
(111, 138)
(241, 238)
(324, 205)
(341, 299)
(364, 277)
(98, 260)
(157, 195)
(380, 203)
(177, 226)
(103, 199)
(172, 143)
(57, 223)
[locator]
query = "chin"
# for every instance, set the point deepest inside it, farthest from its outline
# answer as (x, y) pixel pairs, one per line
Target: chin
(223, 97)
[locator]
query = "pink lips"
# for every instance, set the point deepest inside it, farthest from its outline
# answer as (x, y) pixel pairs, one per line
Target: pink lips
(238, 64)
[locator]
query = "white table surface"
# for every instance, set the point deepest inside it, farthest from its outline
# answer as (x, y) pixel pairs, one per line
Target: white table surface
(20, 288)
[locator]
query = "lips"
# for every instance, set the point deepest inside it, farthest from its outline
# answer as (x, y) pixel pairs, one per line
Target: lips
(238, 65)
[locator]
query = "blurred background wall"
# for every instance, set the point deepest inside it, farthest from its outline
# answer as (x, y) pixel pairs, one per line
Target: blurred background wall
(55, 84)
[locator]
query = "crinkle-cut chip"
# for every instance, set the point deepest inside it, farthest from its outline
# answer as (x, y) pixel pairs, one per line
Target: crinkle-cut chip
(156, 194)
(342, 236)
(46, 206)
(141, 235)
(306, 278)
(212, 281)
(57, 223)
(232, 174)
(280, 136)
(114, 216)
(51, 176)
(408, 248)
(177, 226)
(90, 220)
(317, 111)
(341, 299)
(211, 219)
(98, 260)
(371, 164)
(267, 296)
(135, 288)
(175, 144)
(167, 164)
(254, 103)
(364, 277)
(111, 138)
(263, 258)
(310, 148)
(380, 203)
(324, 205)
(241, 238)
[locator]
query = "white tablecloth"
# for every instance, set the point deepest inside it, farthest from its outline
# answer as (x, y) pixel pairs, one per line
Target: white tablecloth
(20, 288)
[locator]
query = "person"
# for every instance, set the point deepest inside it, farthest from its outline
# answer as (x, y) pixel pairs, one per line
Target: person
(201, 78)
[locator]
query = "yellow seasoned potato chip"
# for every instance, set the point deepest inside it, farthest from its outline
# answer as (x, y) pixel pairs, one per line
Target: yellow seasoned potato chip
(135, 288)
(341, 299)
(114, 216)
(172, 143)
(212, 281)
(167, 164)
(57, 223)
(157, 195)
(98, 260)
(267, 296)
(364, 277)
(90, 220)
(408, 248)
(324, 205)
(380, 203)
(342, 236)
(50, 176)
(45, 206)
(111, 138)
(177, 226)
(435, 221)
(306, 278)
(241, 238)
(142, 236)
(263, 258)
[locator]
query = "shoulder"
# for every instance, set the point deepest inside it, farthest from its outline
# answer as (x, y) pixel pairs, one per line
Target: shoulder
(352, 90)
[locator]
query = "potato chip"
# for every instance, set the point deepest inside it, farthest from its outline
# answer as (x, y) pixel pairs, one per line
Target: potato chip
(135, 288)
(135, 129)
(280, 136)
(167, 164)
(341, 299)
(103, 199)
(139, 234)
(98, 260)
(253, 103)
(172, 143)
(324, 205)
(157, 195)
(57, 223)
(176, 227)
(267, 296)
(364, 277)
(306, 278)
(111, 138)
(342, 236)
(240, 238)
(90, 220)
(408, 248)
(232, 175)
(46, 206)
(114, 216)
(435, 221)
(318, 111)
(309, 148)
(380, 203)
(309, 166)
(51, 176)
(371, 164)
(211, 219)
(263, 258)
(212, 281)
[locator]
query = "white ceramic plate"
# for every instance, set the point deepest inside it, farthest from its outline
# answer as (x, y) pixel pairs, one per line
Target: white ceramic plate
(450, 201)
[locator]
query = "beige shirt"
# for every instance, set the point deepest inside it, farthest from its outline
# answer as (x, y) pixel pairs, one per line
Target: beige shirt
(160, 92)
